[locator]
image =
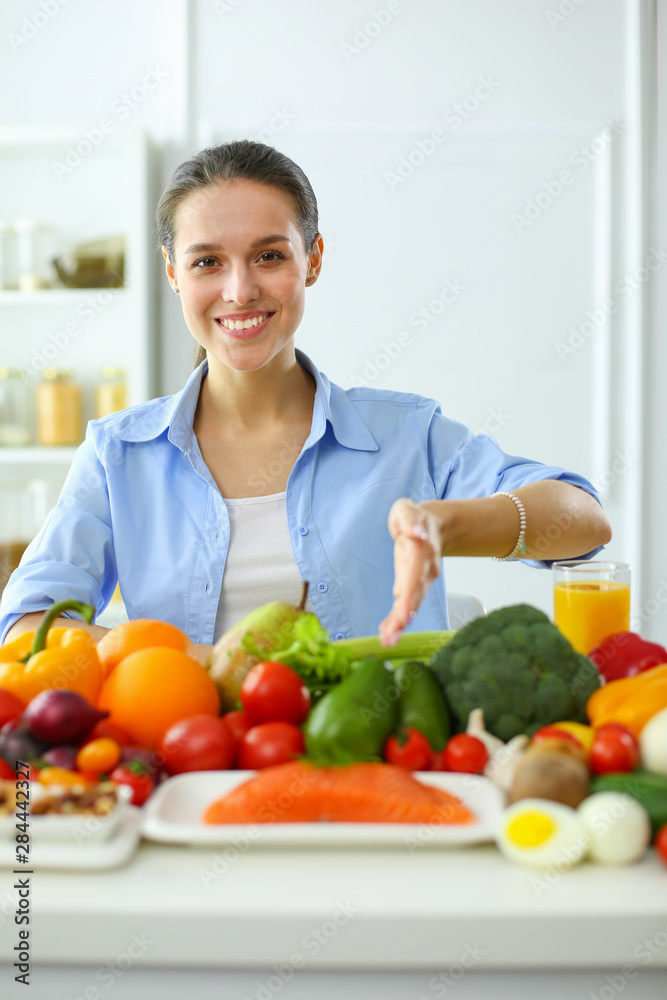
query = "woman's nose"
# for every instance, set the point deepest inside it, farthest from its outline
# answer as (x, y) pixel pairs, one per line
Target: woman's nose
(239, 286)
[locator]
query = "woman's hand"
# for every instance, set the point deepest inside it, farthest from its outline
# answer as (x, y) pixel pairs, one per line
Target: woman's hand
(418, 542)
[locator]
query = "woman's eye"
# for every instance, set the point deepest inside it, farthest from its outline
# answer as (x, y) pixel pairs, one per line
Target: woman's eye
(205, 262)
(271, 255)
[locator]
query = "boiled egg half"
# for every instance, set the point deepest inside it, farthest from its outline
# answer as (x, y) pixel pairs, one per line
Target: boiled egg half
(539, 833)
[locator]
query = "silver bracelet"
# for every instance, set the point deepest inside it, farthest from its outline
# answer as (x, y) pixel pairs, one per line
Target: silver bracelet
(520, 546)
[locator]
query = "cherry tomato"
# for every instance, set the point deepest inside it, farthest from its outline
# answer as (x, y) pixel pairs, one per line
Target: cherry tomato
(661, 842)
(408, 748)
(137, 777)
(99, 756)
(614, 748)
(465, 753)
(61, 776)
(199, 743)
(268, 744)
(237, 722)
(273, 692)
(107, 728)
(10, 706)
(6, 772)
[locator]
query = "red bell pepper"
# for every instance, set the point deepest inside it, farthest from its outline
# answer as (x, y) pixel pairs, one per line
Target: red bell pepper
(626, 654)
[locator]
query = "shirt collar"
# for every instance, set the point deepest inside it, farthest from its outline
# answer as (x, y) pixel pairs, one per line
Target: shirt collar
(175, 414)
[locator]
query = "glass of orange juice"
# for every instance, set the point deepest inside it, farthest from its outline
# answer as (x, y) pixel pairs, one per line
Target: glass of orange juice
(591, 600)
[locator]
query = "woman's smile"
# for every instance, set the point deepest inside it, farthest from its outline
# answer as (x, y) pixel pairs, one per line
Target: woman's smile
(243, 326)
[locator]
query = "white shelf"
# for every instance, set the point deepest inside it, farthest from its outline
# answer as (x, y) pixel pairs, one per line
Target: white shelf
(49, 296)
(33, 454)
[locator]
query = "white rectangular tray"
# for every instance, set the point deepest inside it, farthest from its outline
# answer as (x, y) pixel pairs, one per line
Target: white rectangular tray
(173, 816)
(113, 852)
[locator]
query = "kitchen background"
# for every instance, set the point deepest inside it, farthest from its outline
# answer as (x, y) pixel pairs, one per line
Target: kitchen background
(490, 199)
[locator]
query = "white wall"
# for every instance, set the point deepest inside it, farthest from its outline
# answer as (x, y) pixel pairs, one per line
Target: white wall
(348, 97)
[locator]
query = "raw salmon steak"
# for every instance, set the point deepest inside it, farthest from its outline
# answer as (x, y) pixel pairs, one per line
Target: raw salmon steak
(299, 792)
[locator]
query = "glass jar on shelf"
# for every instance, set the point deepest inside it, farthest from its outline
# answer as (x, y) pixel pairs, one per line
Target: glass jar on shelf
(111, 393)
(15, 532)
(9, 264)
(36, 250)
(14, 408)
(58, 409)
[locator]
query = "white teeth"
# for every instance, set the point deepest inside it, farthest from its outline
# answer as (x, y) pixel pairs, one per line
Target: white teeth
(240, 324)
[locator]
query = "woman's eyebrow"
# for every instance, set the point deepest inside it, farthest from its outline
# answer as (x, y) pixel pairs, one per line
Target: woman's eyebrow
(212, 247)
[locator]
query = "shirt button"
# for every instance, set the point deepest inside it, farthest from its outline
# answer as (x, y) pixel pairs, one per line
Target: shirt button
(339, 635)
(322, 587)
(303, 530)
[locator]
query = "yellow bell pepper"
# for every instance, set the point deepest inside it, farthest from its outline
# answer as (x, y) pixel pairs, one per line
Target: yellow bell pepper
(53, 658)
(631, 701)
(585, 734)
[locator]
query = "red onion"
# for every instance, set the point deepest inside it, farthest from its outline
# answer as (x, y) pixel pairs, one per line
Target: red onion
(60, 716)
(62, 756)
(17, 743)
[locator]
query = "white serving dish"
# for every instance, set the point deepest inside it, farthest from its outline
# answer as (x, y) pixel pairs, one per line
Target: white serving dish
(173, 816)
(74, 830)
(114, 851)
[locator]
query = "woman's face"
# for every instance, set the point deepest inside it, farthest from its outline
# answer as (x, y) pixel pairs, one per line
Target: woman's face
(241, 269)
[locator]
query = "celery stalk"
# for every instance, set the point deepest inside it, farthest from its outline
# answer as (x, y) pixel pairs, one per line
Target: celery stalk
(410, 646)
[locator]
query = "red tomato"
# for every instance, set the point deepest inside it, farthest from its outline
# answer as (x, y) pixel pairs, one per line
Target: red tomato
(272, 692)
(554, 733)
(465, 753)
(137, 777)
(199, 743)
(6, 771)
(661, 842)
(268, 744)
(614, 749)
(238, 723)
(10, 706)
(408, 748)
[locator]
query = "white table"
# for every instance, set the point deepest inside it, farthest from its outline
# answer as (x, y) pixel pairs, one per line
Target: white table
(395, 924)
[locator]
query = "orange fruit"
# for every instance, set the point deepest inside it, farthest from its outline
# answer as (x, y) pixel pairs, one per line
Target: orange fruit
(152, 689)
(140, 633)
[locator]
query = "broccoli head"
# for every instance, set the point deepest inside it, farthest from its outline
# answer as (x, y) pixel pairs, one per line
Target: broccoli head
(519, 668)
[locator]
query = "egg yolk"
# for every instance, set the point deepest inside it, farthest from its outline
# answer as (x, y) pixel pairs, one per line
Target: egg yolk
(530, 829)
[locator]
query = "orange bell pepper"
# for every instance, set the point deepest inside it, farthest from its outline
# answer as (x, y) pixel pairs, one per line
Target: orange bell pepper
(53, 658)
(631, 701)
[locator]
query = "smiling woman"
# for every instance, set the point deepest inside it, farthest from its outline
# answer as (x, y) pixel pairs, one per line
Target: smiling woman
(261, 473)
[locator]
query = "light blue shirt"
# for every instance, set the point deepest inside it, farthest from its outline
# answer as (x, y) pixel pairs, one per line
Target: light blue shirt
(140, 507)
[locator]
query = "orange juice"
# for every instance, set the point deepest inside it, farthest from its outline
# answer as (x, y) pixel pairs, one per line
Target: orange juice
(587, 612)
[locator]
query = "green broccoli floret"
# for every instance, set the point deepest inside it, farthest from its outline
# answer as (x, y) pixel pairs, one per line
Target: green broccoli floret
(519, 668)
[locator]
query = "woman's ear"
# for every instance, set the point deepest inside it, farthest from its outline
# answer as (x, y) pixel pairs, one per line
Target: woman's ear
(169, 268)
(315, 260)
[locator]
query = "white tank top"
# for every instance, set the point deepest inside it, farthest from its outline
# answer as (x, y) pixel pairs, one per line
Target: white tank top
(260, 563)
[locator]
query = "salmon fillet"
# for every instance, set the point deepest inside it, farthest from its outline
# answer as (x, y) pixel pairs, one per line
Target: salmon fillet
(299, 792)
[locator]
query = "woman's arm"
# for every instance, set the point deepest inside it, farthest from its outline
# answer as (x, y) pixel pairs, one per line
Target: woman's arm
(562, 522)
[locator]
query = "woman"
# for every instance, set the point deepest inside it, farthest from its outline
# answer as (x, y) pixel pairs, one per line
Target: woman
(261, 473)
